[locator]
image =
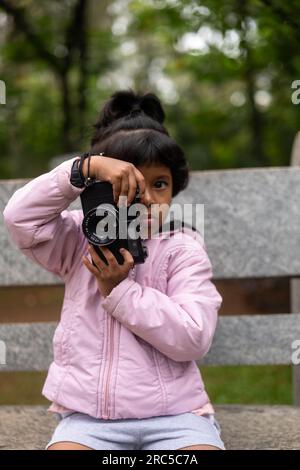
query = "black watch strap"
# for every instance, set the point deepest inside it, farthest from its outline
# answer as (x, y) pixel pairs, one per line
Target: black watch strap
(76, 178)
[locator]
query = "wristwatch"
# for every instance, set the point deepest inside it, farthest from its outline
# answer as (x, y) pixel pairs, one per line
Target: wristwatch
(76, 178)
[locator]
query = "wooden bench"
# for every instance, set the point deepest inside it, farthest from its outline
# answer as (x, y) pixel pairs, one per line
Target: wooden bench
(252, 230)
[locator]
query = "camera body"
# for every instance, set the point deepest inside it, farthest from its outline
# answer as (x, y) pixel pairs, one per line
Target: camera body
(100, 212)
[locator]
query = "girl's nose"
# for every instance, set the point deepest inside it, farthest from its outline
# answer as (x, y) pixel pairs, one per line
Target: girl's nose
(147, 199)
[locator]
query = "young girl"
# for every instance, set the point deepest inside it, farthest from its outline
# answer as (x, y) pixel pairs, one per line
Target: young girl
(124, 374)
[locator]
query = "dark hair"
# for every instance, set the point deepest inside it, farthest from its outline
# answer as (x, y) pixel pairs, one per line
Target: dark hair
(130, 128)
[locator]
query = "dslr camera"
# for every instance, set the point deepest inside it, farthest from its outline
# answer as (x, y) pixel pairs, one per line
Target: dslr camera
(105, 224)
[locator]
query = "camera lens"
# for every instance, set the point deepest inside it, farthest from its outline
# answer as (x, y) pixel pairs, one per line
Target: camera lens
(100, 224)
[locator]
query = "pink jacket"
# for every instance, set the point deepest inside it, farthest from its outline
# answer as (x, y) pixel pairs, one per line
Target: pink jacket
(131, 354)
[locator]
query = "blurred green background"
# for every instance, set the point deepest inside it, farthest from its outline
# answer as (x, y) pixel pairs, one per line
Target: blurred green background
(223, 70)
(224, 385)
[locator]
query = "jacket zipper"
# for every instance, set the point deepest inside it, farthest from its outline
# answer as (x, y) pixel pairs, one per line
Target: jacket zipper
(110, 362)
(161, 380)
(111, 336)
(111, 328)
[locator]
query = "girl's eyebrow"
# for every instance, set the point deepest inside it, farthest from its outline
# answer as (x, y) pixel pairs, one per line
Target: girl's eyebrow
(161, 176)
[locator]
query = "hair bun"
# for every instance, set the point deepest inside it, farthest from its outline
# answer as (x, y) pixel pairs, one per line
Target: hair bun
(127, 103)
(151, 105)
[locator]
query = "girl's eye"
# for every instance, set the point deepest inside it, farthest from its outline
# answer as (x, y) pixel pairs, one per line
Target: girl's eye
(161, 181)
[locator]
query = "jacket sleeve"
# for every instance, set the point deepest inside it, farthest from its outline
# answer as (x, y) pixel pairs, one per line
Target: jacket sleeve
(180, 323)
(39, 224)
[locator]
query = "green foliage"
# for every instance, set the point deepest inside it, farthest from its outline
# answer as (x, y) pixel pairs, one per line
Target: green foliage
(225, 385)
(227, 98)
(270, 385)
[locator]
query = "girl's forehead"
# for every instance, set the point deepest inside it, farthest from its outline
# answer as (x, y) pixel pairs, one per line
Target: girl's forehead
(154, 170)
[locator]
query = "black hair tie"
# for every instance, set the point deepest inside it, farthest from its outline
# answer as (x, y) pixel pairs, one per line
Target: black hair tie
(136, 109)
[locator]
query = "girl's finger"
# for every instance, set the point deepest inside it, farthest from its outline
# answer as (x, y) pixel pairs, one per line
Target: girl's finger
(96, 258)
(124, 190)
(116, 189)
(140, 180)
(132, 188)
(111, 259)
(90, 266)
(129, 261)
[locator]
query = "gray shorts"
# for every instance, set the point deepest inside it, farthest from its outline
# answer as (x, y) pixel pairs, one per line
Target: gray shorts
(167, 432)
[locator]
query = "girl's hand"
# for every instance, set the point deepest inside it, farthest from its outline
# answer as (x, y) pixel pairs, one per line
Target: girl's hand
(123, 176)
(108, 276)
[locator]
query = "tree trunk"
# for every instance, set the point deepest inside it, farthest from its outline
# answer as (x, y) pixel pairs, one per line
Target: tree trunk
(66, 140)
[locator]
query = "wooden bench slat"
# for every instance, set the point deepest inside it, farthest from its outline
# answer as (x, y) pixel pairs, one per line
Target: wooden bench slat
(255, 339)
(251, 225)
(28, 345)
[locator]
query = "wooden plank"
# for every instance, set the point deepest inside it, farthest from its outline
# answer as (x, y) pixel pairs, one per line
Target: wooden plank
(295, 307)
(252, 220)
(255, 339)
(28, 345)
(251, 225)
